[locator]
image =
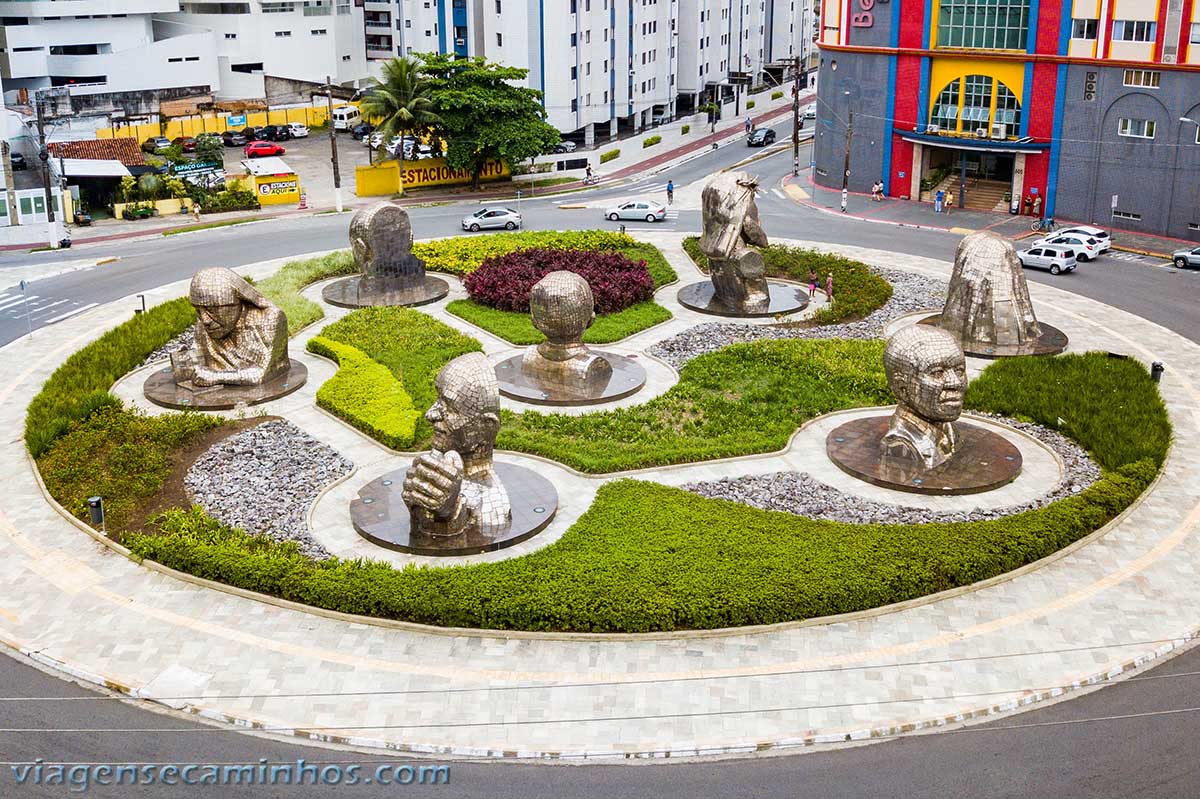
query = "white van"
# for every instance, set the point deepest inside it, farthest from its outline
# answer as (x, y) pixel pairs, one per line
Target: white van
(346, 117)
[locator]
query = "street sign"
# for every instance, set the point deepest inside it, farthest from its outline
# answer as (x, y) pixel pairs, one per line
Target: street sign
(1114, 202)
(195, 167)
(236, 120)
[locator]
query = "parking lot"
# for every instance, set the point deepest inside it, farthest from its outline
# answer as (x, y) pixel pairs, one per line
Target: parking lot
(309, 157)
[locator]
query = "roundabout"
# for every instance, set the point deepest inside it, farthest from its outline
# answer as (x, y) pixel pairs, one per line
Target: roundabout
(576, 694)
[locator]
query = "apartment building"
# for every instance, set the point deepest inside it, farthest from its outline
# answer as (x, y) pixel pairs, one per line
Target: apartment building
(1091, 110)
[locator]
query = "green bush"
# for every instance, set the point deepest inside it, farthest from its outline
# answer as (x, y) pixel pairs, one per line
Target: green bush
(79, 387)
(412, 345)
(650, 141)
(517, 328)
(610, 155)
(367, 395)
(776, 95)
(749, 104)
(857, 290)
(284, 287)
(122, 456)
(685, 129)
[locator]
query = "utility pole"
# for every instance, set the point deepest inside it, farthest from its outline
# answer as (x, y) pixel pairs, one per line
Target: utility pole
(44, 157)
(337, 174)
(846, 166)
(796, 119)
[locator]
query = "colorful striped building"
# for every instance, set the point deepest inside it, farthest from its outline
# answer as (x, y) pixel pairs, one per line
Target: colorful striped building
(1084, 108)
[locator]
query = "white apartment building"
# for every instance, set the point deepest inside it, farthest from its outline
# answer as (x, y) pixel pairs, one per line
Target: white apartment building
(126, 46)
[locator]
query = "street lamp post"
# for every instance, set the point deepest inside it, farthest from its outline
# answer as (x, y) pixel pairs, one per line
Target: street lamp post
(44, 157)
(846, 164)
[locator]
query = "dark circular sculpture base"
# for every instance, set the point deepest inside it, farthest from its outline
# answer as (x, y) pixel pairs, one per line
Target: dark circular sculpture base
(1051, 342)
(784, 299)
(380, 515)
(627, 378)
(983, 461)
(359, 292)
(161, 389)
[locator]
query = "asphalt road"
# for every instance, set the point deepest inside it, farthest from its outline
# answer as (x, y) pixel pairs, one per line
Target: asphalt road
(1131, 739)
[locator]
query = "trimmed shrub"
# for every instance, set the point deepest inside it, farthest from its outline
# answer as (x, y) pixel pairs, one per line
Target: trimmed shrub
(610, 155)
(749, 104)
(462, 255)
(504, 281)
(517, 328)
(776, 95)
(650, 141)
(685, 129)
(365, 394)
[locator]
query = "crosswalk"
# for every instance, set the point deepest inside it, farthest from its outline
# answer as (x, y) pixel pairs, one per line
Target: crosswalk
(39, 310)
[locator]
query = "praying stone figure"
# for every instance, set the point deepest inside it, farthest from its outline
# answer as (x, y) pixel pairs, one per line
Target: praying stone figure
(454, 488)
(241, 336)
(732, 231)
(927, 372)
(562, 308)
(987, 305)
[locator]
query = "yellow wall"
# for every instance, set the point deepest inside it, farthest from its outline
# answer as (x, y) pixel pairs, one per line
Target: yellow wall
(381, 180)
(216, 123)
(384, 178)
(165, 207)
(277, 189)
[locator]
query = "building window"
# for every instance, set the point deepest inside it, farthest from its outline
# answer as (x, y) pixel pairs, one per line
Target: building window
(1195, 37)
(1084, 28)
(1146, 78)
(965, 106)
(986, 24)
(319, 31)
(408, 23)
(1128, 30)
(1136, 128)
(574, 105)
(574, 39)
(1198, 134)
(574, 73)
(497, 6)
(499, 39)
(282, 34)
(1127, 215)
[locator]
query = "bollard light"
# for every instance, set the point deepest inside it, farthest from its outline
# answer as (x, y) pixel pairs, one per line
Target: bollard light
(96, 512)
(1156, 370)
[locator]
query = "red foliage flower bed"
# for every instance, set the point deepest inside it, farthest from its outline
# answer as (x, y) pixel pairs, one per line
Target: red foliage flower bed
(504, 281)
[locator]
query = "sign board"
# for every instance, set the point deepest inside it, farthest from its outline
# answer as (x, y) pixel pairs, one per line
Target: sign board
(435, 172)
(236, 120)
(277, 189)
(1114, 202)
(195, 167)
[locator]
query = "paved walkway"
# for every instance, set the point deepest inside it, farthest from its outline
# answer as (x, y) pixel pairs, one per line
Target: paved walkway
(1114, 600)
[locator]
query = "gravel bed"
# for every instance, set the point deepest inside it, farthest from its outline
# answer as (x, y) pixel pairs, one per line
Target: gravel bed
(184, 340)
(264, 479)
(804, 495)
(910, 292)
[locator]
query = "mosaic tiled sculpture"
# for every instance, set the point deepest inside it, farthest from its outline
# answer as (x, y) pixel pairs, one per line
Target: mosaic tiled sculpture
(731, 233)
(381, 239)
(241, 336)
(988, 302)
(927, 372)
(562, 308)
(454, 488)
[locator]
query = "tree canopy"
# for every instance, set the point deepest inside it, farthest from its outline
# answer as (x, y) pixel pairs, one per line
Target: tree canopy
(401, 102)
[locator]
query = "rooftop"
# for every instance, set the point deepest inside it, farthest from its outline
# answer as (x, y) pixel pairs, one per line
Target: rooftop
(127, 151)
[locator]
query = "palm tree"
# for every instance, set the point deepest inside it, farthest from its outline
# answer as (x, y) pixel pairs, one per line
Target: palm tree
(401, 102)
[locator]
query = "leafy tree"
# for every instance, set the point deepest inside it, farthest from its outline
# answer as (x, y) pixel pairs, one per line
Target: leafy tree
(486, 115)
(210, 148)
(401, 103)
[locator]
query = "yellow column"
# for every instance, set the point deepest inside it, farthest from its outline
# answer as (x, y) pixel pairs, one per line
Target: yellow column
(992, 106)
(962, 97)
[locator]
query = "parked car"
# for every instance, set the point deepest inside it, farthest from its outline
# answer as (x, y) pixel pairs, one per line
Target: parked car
(156, 144)
(760, 137)
(18, 161)
(254, 134)
(261, 149)
(418, 152)
(233, 138)
(362, 130)
(1181, 259)
(346, 117)
(638, 209)
(1085, 247)
(276, 133)
(185, 143)
(1056, 259)
(564, 147)
(298, 130)
(810, 111)
(505, 218)
(1099, 234)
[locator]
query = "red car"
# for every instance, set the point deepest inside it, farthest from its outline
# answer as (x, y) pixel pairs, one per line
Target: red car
(186, 143)
(260, 149)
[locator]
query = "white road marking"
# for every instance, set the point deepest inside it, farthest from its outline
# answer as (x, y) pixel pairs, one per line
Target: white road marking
(61, 317)
(45, 308)
(17, 301)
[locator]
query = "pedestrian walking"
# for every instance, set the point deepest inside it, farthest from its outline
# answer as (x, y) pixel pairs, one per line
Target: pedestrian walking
(670, 192)
(949, 201)
(829, 288)
(813, 280)
(196, 211)
(749, 123)
(938, 200)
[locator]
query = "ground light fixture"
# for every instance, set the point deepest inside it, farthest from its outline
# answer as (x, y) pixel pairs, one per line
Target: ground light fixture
(95, 507)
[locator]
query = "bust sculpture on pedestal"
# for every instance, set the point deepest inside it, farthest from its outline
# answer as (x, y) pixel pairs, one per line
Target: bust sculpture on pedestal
(927, 371)
(239, 353)
(731, 237)
(381, 241)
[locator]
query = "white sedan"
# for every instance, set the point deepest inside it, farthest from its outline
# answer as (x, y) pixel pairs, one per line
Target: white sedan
(505, 218)
(1099, 234)
(638, 209)
(1085, 247)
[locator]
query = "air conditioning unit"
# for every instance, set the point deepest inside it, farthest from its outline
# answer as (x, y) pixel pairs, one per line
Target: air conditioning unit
(932, 129)
(999, 130)
(981, 133)
(460, 42)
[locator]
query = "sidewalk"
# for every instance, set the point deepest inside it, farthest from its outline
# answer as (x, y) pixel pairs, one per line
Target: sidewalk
(905, 213)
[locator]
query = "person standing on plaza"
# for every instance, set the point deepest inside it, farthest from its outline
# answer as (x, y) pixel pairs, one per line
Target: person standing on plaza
(829, 288)
(670, 192)
(938, 199)
(196, 210)
(813, 280)
(949, 201)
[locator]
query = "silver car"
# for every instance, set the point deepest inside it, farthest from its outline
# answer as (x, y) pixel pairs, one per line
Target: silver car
(638, 209)
(485, 218)
(1185, 258)
(1056, 259)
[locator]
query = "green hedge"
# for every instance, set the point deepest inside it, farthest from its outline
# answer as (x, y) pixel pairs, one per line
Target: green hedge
(650, 141)
(610, 155)
(685, 129)
(776, 95)
(79, 387)
(283, 288)
(749, 104)
(366, 394)
(412, 345)
(517, 328)
(857, 290)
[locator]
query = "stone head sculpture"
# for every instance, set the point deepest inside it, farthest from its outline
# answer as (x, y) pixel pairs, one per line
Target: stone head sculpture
(562, 308)
(988, 300)
(381, 240)
(731, 232)
(927, 372)
(454, 488)
(241, 336)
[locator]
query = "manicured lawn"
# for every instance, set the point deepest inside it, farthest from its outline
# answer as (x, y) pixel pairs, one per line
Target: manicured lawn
(517, 328)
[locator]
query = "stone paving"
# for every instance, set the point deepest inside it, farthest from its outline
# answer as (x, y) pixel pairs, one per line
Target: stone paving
(1118, 598)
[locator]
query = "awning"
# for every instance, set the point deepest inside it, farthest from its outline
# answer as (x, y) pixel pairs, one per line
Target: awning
(969, 143)
(92, 168)
(272, 165)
